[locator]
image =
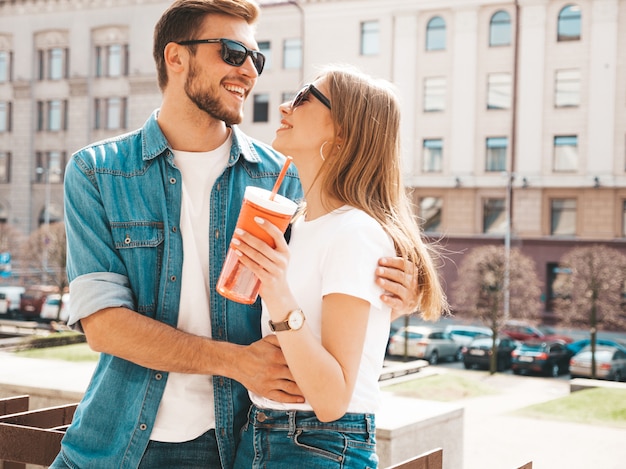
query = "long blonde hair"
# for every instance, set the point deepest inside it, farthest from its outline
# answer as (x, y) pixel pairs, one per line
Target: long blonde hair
(364, 171)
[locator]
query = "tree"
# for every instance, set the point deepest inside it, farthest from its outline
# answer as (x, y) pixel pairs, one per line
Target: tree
(480, 286)
(592, 292)
(45, 251)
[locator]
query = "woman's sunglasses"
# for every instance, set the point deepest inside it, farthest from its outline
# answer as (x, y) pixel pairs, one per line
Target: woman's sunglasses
(233, 53)
(304, 93)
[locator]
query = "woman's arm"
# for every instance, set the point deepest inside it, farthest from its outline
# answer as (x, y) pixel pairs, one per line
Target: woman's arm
(325, 371)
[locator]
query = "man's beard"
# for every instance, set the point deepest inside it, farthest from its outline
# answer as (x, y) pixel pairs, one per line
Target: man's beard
(208, 103)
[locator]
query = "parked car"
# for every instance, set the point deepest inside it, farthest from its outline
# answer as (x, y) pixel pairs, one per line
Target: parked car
(550, 358)
(523, 331)
(577, 346)
(464, 335)
(50, 308)
(478, 353)
(610, 363)
(13, 295)
(33, 299)
(4, 304)
(429, 343)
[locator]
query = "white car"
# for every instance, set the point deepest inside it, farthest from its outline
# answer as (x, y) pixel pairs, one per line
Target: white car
(50, 308)
(425, 342)
(464, 335)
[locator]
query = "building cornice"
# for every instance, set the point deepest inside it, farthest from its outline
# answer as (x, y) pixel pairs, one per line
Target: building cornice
(29, 7)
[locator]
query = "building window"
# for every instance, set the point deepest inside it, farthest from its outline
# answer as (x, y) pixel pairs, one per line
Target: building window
(6, 66)
(436, 34)
(568, 26)
(567, 88)
(5, 167)
(50, 165)
(52, 115)
(370, 38)
(266, 49)
(500, 29)
(432, 155)
(496, 153)
(563, 217)
(261, 108)
(499, 91)
(6, 116)
(110, 113)
(430, 213)
(566, 153)
(292, 53)
(434, 94)
(112, 60)
(623, 218)
(494, 216)
(53, 63)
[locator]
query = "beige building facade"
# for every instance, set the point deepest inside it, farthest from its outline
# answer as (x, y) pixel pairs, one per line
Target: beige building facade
(504, 102)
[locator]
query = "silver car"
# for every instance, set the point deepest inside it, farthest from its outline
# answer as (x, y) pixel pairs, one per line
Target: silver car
(428, 343)
(610, 363)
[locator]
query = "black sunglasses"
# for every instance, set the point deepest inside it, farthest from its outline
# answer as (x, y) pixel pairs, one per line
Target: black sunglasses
(303, 95)
(233, 52)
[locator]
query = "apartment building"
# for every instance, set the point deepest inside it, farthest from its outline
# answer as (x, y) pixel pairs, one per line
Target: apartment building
(510, 108)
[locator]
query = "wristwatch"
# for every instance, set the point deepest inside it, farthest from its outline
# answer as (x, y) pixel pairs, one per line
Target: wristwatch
(295, 321)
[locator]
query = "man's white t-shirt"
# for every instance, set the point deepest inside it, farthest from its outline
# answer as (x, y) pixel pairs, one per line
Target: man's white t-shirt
(338, 253)
(187, 408)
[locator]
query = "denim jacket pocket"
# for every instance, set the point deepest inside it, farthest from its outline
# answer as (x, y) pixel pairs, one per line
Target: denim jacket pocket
(140, 245)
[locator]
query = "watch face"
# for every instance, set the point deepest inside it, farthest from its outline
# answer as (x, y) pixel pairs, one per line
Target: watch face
(296, 319)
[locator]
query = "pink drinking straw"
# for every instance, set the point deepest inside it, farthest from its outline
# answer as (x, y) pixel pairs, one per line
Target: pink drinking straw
(281, 176)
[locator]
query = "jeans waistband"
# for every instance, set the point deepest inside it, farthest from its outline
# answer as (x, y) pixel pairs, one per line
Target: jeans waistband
(296, 419)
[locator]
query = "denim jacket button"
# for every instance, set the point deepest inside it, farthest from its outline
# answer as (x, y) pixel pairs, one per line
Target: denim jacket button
(158, 376)
(127, 240)
(261, 417)
(172, 180)
(143, 426)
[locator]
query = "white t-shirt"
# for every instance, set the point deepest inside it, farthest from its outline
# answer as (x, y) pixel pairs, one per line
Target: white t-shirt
(338, 253)
(187, 408)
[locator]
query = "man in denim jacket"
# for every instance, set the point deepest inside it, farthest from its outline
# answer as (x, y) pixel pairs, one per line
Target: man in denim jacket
(176, 357)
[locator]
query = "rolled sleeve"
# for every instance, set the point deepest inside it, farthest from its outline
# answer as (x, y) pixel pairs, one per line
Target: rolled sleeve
(93, 292)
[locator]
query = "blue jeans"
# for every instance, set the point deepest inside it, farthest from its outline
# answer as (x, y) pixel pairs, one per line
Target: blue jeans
(199, 453)
(279, 439)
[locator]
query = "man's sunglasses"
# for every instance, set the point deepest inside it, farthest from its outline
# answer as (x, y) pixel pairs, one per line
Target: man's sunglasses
(304, 93)
(233, 52)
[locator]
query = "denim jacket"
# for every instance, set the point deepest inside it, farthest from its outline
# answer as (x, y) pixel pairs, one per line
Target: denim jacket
(122, 212)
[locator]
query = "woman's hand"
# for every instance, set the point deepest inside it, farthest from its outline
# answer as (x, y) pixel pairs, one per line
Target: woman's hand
(399, 279)
(268, 264)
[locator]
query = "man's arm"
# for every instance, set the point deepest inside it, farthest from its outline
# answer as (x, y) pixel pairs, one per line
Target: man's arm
(398, 278)
(260, 367)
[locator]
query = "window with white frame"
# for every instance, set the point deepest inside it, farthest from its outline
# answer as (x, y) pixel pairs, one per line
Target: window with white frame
(430, 213)
(495, 159)
(370, 38)
(566, 153)
(53, 63)
(436, 34)
(500, 29)
(111, 60)
(261, 112)
(6, 65)
(432, 155)
(265, 47)
(50, 165)
(569, 23)
(434, 94)
(567, 88)
(111, 113)
(6, 117)
(494, 216)
(52, 115)
(499, 91)
(563, 217)
(292, 53)
(5, 167)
